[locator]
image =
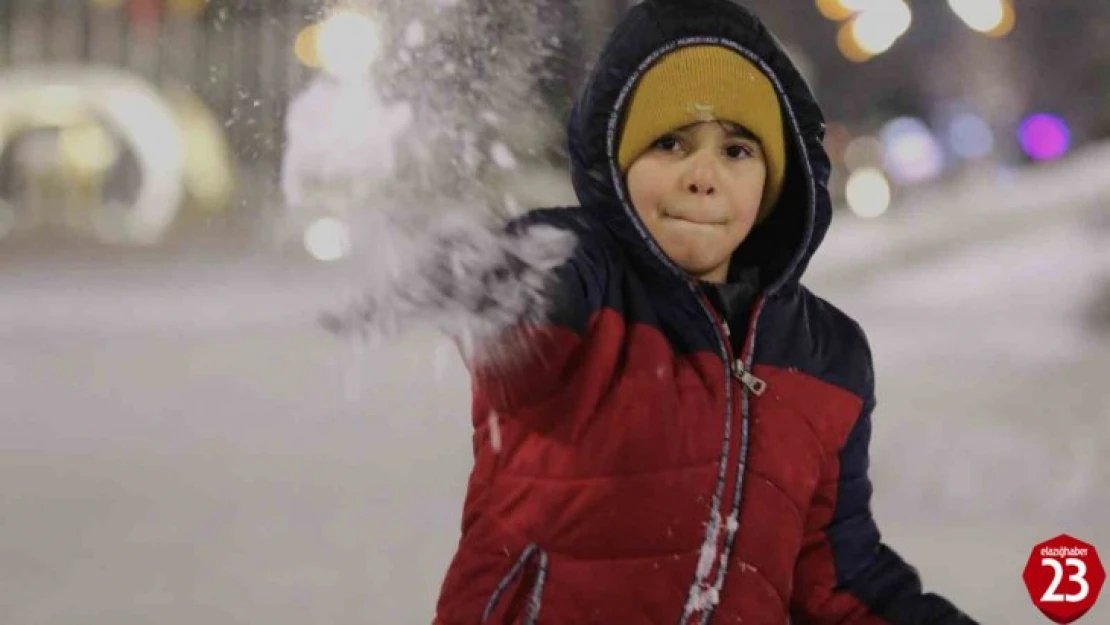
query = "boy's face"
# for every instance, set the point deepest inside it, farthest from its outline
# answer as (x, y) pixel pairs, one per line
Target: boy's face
(698, 191)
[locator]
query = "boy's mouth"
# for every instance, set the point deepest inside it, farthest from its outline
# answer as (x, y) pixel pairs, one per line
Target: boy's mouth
(687, 218)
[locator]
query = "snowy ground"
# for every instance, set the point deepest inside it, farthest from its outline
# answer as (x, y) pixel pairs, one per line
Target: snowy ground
(180, 445)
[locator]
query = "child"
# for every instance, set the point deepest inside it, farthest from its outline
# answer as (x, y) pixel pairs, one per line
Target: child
(687, 441)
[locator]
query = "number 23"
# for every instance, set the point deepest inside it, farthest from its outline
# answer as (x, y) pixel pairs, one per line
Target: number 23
(1080, 577)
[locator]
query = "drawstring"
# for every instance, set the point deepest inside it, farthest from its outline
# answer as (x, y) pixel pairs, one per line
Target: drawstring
(536, 597)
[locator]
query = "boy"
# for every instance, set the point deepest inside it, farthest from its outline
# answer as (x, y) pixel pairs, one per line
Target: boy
(687, 439)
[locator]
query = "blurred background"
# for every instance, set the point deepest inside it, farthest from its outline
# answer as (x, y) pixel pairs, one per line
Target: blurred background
(180, 183)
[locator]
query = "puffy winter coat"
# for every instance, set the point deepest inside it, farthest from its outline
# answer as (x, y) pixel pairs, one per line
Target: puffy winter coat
(649, 472)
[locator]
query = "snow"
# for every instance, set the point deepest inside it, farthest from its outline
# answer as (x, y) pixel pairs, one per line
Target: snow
(414, 35)
(457, 272)
(502, 156)
(708, 553)
(494, 423)
(342, 143)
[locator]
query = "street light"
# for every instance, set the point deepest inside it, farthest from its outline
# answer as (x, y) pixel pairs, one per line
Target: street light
(877, 28)
(835, 10)
(870, 27)
(994, 18)
(849, 45)
(868, 193)
(345, 44)
(328, 239)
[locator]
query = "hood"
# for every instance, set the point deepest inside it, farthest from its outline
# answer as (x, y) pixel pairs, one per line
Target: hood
(782, 245)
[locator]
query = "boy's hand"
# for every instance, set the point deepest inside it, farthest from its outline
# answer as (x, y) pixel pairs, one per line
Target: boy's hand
(458, 272)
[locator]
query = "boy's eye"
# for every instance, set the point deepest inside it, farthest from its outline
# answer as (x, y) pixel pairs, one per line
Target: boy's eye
(666, 143)
(738, 151)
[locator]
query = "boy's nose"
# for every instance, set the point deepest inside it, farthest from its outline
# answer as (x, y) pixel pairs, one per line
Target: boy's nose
(699, 180)
(700, 188)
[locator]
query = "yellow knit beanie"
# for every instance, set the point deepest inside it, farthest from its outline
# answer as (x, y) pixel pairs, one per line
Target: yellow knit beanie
(706, 83)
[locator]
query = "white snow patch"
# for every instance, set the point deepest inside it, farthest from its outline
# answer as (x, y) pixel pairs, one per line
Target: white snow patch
(490, 117)
(702, 595)
(494, 432)
(502, 156)
(733, 523)
(341, 145)
(512, 205)
(709, 548)
(414, 34)
(471, 155)
(703, 598)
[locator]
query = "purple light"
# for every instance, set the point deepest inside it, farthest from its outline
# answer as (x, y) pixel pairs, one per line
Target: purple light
(1044, 137)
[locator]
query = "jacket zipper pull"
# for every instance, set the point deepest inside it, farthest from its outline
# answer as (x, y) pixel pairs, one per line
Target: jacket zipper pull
(748, 379)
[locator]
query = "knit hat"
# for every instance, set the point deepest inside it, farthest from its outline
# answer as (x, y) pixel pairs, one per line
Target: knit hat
(707, 83)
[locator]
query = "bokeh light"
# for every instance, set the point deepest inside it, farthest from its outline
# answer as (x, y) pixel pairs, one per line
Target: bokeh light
(304, 46)
(1009, 20)
(912, 153)
(994, 18)
(979, 15)
(857, 6)
(1044, 136)
(874, 27)
(345, 44)
(868, 193)
(849, 46)
(877, 28)
(327, 239)
(835, 10)
(969, 136)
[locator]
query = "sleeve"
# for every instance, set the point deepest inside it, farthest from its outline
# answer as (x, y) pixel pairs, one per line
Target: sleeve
(555, 367)
(844, 573)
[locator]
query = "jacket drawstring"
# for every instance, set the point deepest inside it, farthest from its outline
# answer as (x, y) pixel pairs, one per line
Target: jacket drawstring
(535, 599)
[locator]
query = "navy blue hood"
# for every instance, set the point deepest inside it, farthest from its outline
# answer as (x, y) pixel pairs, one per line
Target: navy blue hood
(783, 244)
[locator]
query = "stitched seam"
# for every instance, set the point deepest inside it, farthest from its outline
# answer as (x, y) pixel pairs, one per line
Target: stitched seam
(789, 408)
(793, 505)
(578, 558)
(607, 477)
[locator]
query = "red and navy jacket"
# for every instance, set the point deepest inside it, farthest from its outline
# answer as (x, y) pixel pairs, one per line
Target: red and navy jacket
(648, 471)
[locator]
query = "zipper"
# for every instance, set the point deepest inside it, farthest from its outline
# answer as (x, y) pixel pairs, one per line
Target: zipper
(754, 384)
(701, 583)
(750, 381)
